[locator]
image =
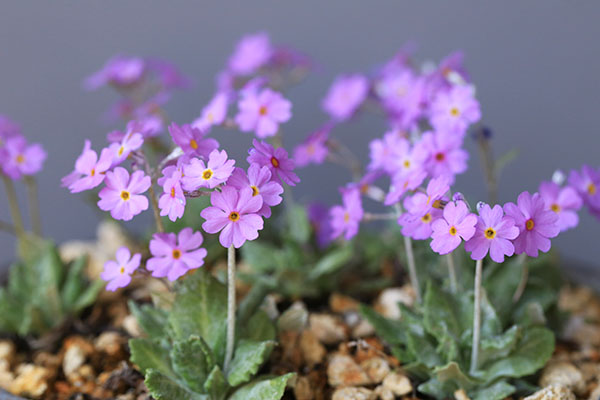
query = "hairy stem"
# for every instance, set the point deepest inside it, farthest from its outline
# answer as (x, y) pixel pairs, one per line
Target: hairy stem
(412, 269)
(230, 306)
(452, 272)
(157, 218)
(34, 205)
(524, 277)
(476, 317)
(13, 203)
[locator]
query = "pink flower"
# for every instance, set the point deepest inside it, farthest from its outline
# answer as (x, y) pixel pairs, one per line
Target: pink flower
(262, 112)
(192, 141)
(402, 183)
(132, 141)
(345, 219)
(172, 201)
(118, 274)
(21, 158)
(454, 110)
(318, 215)
(345, 95)
(587, 184)
(444, 154)
(217, 170)
(119, 71)
(275, 159)
(214, 113)
(251, 53)
(391, 152)
(122, 195)
(457, 223)
(536, 224)
(417, 226)
(565, 202)
(259, 180)
(402, 95)
(89, 170)
(173, 256)
(235, 214)
(493, 233)
(422, 203)
(314, 149)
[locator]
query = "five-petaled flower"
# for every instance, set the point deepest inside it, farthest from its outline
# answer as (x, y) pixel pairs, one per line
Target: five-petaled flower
(174, 255)
(456, 223)
(118, 273)
(494, 233)
(217, 170)
(122, 193)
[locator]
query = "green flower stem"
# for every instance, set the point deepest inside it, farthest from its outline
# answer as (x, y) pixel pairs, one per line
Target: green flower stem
(524, 277)
(412, 269)
(157, 218)
(230, 307)
(13, 203)
(476, 317)
(34, 205)
(452, 272)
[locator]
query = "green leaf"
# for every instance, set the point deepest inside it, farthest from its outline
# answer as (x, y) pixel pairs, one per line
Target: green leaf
(264, 388)
(498, 391)
(249, 356)
(263, 257)
(200, 308)
(423, 350)
(74, 282)
(192, 360)
(442, 319)
(299, 225)
(259, 328)
(152, 320)
(147, 355)
(531, 353)
(161, 387)
(216, 385)
(498, 347)
(331, 262)
(393, 332)
(87, 297)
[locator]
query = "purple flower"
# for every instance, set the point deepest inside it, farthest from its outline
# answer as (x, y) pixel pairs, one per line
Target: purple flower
(121, 196)
(345, 95)
(118, 274)
(262, 112)
(587, 184)
(388, 153)
(192, 141)
(132, 141)
(251, 53)
(276, 159)
(417, 226)
(421, 203)
(402, 96)
(494, 233)
(172, 201)
(454, 110)
(444, 154)
(565, 202)
(173, 256)
(314, 149)
(235, 214)
(214, 113)
(402, 183)
(259, 180)
(345, 219)
(148, 126)
(217, 170)
(457, 223)
(446, 73)
(119, 71)
(89, 170)
(21, 158)
(8, 128)
(536, 224)
(318, 215)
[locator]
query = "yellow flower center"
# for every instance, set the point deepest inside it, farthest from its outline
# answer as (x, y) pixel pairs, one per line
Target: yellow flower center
(275, 162)
(529, 224)
(346, 217)
(437, 204)
(194, 144)
(555, 207)
(406, 163)
(262, 110)
(207, 174)
(121, 150)
(255, 190)
(176, 254)
(454, 111)
(234, 216)
(490, 233)
(125, 195)
(426, 218)
(172, 192)
(452, 230)
(20, 159)
(93, 172)
(591, 189)
(440, 157)
(122, 270)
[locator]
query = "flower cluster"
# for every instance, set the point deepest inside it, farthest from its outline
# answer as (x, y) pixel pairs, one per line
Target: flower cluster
(18, 158)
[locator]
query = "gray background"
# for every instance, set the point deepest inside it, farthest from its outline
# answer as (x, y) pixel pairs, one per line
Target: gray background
(536, 66)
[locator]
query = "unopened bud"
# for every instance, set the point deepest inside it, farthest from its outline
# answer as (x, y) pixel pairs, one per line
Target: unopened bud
(559, 177)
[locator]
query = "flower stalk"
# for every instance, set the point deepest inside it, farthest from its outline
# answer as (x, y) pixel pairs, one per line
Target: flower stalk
(452, 272)
(412, 269)
(476, 317)
(13, 204)
(34, 205)
(230, 306)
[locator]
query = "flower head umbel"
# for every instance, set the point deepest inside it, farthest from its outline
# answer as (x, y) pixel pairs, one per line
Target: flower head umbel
(345, 219)
(216, 171)
(454, 110)
(89, 169)
(536, 224)
(251, 53)
(314, 149)
(192, 140)
(494, 233)
(21, 158)
(262, 112)
(235, 214)
(259, 180)
(122, 193)
(118, 273)
(565, 202)
(345, 95)
(276, 160)
(174, 255)
(456, 223)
